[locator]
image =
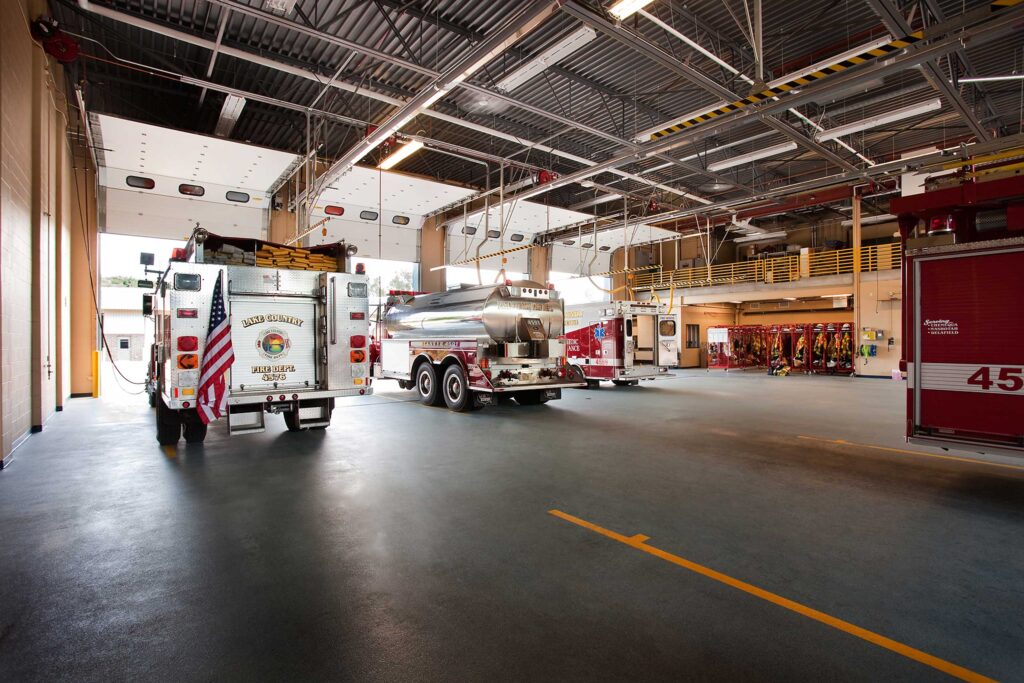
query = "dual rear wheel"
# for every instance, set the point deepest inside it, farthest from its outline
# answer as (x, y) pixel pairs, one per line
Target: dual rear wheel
(449, 387)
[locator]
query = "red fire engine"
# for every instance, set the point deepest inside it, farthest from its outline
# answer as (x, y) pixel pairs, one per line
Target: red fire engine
(624, 342)
(963, 284)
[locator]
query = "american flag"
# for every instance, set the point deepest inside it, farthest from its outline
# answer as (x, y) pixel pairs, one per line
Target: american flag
(217, 359)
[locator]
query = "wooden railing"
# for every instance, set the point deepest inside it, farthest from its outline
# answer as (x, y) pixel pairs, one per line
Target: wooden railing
(774, 270)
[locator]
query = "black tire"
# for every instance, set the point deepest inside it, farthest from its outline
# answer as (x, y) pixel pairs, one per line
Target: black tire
(530, 398)
(406, 384)
(427, 385)
(455, 389)
(194, 429)
(593, 384)
(168, 424)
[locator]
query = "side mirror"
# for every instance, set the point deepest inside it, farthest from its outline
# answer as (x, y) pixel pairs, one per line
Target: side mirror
(146, 259)
(147, 304)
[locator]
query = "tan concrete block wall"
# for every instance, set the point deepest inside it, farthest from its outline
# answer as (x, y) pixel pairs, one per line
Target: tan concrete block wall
(15, 224)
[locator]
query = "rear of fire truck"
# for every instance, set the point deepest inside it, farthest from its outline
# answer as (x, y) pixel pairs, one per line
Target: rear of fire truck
(477, 345)
(624, 341)
(298, 336)
(963, 331)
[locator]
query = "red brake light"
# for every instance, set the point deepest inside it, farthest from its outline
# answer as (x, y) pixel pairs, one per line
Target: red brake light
(357, 341)
(179, 254)
(185, 404)
(332, 210)
(281, 397)
(188, 313)
(357, 315)
(269, 399)
(188, 343)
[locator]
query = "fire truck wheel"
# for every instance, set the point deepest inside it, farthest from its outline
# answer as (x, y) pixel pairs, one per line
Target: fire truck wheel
(195, 430)
(426, 385)
(168, 425)
(530, 398)
(455, 388)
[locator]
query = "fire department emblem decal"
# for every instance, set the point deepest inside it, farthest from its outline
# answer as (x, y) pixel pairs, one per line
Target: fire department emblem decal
(273, 343)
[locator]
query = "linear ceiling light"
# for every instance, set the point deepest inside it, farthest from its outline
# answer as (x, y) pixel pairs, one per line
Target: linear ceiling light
(229, 113)
(990, 79)
(752, 156)
(880, 120)
(400, 154)
(549, 57)
(763, 237)
(625, 8)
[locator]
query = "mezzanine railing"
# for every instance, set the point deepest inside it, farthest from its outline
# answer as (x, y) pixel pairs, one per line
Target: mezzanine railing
(774, 270)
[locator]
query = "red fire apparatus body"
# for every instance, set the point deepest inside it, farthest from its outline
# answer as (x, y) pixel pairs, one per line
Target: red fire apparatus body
(624, 342)
(963, 329)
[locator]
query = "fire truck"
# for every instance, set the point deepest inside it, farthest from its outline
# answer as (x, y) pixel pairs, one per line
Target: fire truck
(963, 347)
(298, 331)
(624, 342)
(477, 345)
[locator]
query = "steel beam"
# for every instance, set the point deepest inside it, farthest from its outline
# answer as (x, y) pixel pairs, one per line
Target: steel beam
(896, 24)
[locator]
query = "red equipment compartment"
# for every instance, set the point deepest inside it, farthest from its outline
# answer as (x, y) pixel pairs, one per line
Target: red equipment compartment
(965, 353)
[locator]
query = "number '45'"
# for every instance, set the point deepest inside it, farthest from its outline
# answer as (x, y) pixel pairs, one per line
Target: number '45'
(1010, 379)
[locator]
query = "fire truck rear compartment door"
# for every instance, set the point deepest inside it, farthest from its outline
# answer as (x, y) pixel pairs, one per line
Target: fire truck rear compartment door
(970, 346)
(274, 341)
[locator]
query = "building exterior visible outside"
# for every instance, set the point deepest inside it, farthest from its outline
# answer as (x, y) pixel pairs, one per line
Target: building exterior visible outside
(125, 330)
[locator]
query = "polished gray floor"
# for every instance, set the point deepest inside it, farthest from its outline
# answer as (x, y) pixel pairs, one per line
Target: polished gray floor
(411, 543)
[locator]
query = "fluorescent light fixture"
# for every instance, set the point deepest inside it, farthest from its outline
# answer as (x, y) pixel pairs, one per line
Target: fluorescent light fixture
(763, 237)
(789, 298)
(880, 120)
(991, 79)
(625, 8)
(400, 154)
(752, 156)
(836, 296)
(229, 113)
(548, 57)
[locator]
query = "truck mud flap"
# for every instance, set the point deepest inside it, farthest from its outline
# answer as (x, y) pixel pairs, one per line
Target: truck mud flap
(245, 419)
(552, 394)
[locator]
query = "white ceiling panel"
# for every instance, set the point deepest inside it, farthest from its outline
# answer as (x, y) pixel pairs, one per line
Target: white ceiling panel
(146, 149)
(528, 218)
(400, 193)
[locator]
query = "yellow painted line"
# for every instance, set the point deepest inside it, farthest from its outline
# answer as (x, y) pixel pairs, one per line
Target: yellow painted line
(843, 442)
(639, 542)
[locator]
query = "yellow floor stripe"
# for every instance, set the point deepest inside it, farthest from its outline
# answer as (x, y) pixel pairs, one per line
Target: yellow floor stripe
(639, 542)
(843, 442)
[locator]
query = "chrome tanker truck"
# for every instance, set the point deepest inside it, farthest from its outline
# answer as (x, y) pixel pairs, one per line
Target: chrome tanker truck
(476, 345)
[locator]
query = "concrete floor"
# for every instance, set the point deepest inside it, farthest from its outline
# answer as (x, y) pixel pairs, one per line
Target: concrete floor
(411, 543)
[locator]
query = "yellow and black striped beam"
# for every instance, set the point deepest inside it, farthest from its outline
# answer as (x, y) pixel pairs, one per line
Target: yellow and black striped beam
(881, 51)
(510, 250)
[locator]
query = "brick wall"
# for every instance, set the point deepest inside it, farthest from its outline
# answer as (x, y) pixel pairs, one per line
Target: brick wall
(15, 224)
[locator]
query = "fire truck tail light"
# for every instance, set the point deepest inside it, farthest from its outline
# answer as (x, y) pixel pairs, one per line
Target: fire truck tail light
(485, 363)
(174, 392)
(179, 254)
(354, 315)
(295, 397)
(281, 397)
(185, 404)
(357, 341)
(561, 372)
(357, 380)
(357, 356)
(269, 399)
(188, 392)
(188, 312)
(188, 343)
(188, 361)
